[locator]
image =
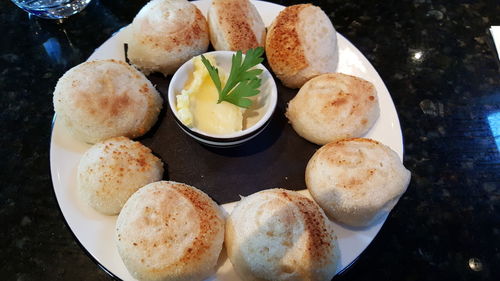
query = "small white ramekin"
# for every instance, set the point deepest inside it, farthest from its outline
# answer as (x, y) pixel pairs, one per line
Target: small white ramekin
(267, 99)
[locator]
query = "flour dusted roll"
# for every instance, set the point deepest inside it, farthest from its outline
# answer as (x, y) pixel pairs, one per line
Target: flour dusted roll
(101, 99)
(280, 235)
(235, 25)
(301, 43)
(170, 231)
(333, 106)
(165, 34)
(112, 170)
(356, 180)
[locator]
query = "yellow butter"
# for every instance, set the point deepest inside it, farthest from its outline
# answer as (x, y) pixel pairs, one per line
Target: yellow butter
(197, 104)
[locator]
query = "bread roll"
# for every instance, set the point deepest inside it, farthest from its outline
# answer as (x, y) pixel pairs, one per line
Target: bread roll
(281, 235)
(101, 99)
(333, 106)
(170, 231)
(357, 180)
(301, 43)
(165, 34)
(235, 25)
(112, 170)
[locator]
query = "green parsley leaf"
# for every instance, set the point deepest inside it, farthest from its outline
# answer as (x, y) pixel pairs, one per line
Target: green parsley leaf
(243, 82)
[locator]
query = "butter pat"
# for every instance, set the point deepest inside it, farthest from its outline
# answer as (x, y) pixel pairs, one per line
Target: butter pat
(197, 105)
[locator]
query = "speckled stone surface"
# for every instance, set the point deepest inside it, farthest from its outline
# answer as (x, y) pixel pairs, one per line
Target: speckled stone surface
(437, 61)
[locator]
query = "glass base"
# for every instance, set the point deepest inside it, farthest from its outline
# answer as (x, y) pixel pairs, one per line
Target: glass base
(50, 9)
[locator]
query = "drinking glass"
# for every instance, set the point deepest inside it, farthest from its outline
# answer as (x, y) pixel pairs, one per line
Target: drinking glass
(52, 9)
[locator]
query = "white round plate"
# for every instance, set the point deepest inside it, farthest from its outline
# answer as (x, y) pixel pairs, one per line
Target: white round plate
(95, 231)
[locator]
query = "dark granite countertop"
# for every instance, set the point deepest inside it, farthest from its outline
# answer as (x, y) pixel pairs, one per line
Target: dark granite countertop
(438, 62)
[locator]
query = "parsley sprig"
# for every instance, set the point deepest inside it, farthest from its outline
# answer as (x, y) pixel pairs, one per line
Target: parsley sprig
(243, 82)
